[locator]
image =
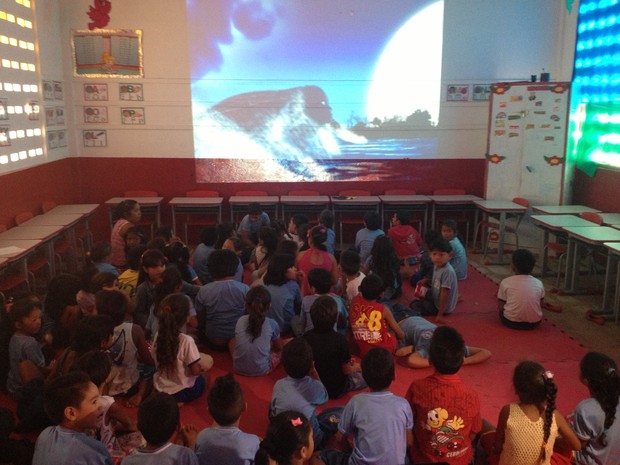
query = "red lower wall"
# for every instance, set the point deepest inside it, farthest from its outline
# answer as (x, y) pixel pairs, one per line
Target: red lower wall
(600, 191)
(94, 180)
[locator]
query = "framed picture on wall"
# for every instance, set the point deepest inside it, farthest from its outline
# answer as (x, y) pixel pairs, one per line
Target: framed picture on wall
(5, 140)
(62, 138)
(4, 115)
(58, 90)
(60, 115)
(133, 115)
(130, 91)
(52, 140)
(94, 92)
(50, 116)
(48, 90)
(115, 53)
(95, 138)
(481, 92)
(95, 114)
(33, 110)
(457, 93)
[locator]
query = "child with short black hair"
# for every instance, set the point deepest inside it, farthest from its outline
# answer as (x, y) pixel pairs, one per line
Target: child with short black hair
(72, 403)
(293, 227)
(380, 421)
(425, 270)
(407, 240)
(450, 232)
(116, 430)
(326, 218)
(158, 420)
(100, 256)
(443, 405)
(224, 442)
(339, 373)
(235, 244)
(221, 303)
(152, 265)
(350, 265)
(281, 280)
(301, 389)
(365, 237)
(208, 238)
(520, 297)
(444, 291)
(251, 224)
(320, 283)
(128, 347)
(372, 322)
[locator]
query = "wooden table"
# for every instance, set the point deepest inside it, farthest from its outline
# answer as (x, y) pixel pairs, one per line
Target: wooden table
(590, 236)
(554, 224)
(239, 204)
(501, 208)
(195, 206)
(147, 205)
(303, 204)
(353, 204)
(418, 203)
(563, 209)
(17, 251)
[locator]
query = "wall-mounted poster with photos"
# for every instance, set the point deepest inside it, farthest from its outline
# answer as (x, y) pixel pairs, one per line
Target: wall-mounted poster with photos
(52, 140)
(457, 93)
(58, 90)
(93, 92)
(50, 116)
(4, 115)
(5, 140)
(130, 91)
(60, 115)
(95, 114)
(95, 138)
(134, 115)
(62, 138)
(48, 90)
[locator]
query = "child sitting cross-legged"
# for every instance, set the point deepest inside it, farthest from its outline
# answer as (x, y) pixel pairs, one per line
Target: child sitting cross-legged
(320, 282)
(351, 276)
(380, 421)
(224, 442)
(337, 370)
(302, 390)
(72, 403)
(158, 420)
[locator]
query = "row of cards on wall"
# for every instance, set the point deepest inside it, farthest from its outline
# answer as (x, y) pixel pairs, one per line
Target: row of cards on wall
(466, 92)
(99, 114)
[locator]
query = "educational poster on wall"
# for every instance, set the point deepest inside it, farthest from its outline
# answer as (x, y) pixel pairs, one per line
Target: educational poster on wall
(60, 115)
(95, 138)
(62, 138)
(50, 116)
(131, 92)
(134, 115)
(5, 140)
(33, 110)
(95, 114)
(481, 92)
(94, 92)
(4, 114)
(58, 90)
(48, 90)
(52, 140)
(457, 93)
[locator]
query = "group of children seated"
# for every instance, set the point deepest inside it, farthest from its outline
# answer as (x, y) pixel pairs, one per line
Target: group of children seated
(128, 331)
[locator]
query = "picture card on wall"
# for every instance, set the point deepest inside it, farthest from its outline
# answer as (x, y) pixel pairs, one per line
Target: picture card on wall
(95, 114)
(481, 92)
(133, 115)
(52, 140)
(457, 93)
(95, 92)
(48, 90)
(5, 140)
(50, 116)
(62, 138)
(4, 115)
(60, 115)
(33, 109)
(95, 138)
(131, 91)
(58, 90)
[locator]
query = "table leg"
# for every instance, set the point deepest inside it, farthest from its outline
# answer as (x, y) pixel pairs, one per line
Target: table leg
(617, 297)
(570, 264)
(502, 231)
(607, 291)
(545, 253)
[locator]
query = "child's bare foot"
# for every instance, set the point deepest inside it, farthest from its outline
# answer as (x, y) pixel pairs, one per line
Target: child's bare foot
(187, 435)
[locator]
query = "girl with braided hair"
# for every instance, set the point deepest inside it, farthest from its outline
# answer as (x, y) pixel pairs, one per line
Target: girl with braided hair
(257, 346)
(288, 440)
(597, 420)
(179, 364)
(527, 430)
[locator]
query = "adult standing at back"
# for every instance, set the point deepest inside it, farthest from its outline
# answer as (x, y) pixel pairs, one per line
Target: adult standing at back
(316, 257)
(127, 215)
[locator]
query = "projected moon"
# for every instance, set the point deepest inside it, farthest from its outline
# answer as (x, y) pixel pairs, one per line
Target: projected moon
(408, 74)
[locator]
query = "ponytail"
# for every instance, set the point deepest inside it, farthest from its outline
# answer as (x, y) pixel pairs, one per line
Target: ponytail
(173, 312)
(550, 393)
(601, 373)
(257, 305)
(287, 433)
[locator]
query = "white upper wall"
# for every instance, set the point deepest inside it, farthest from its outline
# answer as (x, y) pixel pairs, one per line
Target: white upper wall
(484, 41)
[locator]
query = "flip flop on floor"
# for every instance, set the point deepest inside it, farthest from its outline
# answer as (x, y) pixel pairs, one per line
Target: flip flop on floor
(552, 307)
(598, 319)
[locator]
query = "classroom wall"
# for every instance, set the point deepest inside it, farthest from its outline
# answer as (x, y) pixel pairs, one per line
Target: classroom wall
(484, 41)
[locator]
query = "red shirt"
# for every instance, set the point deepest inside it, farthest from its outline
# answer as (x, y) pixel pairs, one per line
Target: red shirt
(369, 326)
(446, 413)
(406, 240)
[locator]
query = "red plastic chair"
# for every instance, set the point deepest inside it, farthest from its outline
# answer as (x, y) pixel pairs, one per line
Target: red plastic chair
(251, 193)
(198, 221)
(400, 192)
(350, 220)
(303, 192)
(592, 217)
